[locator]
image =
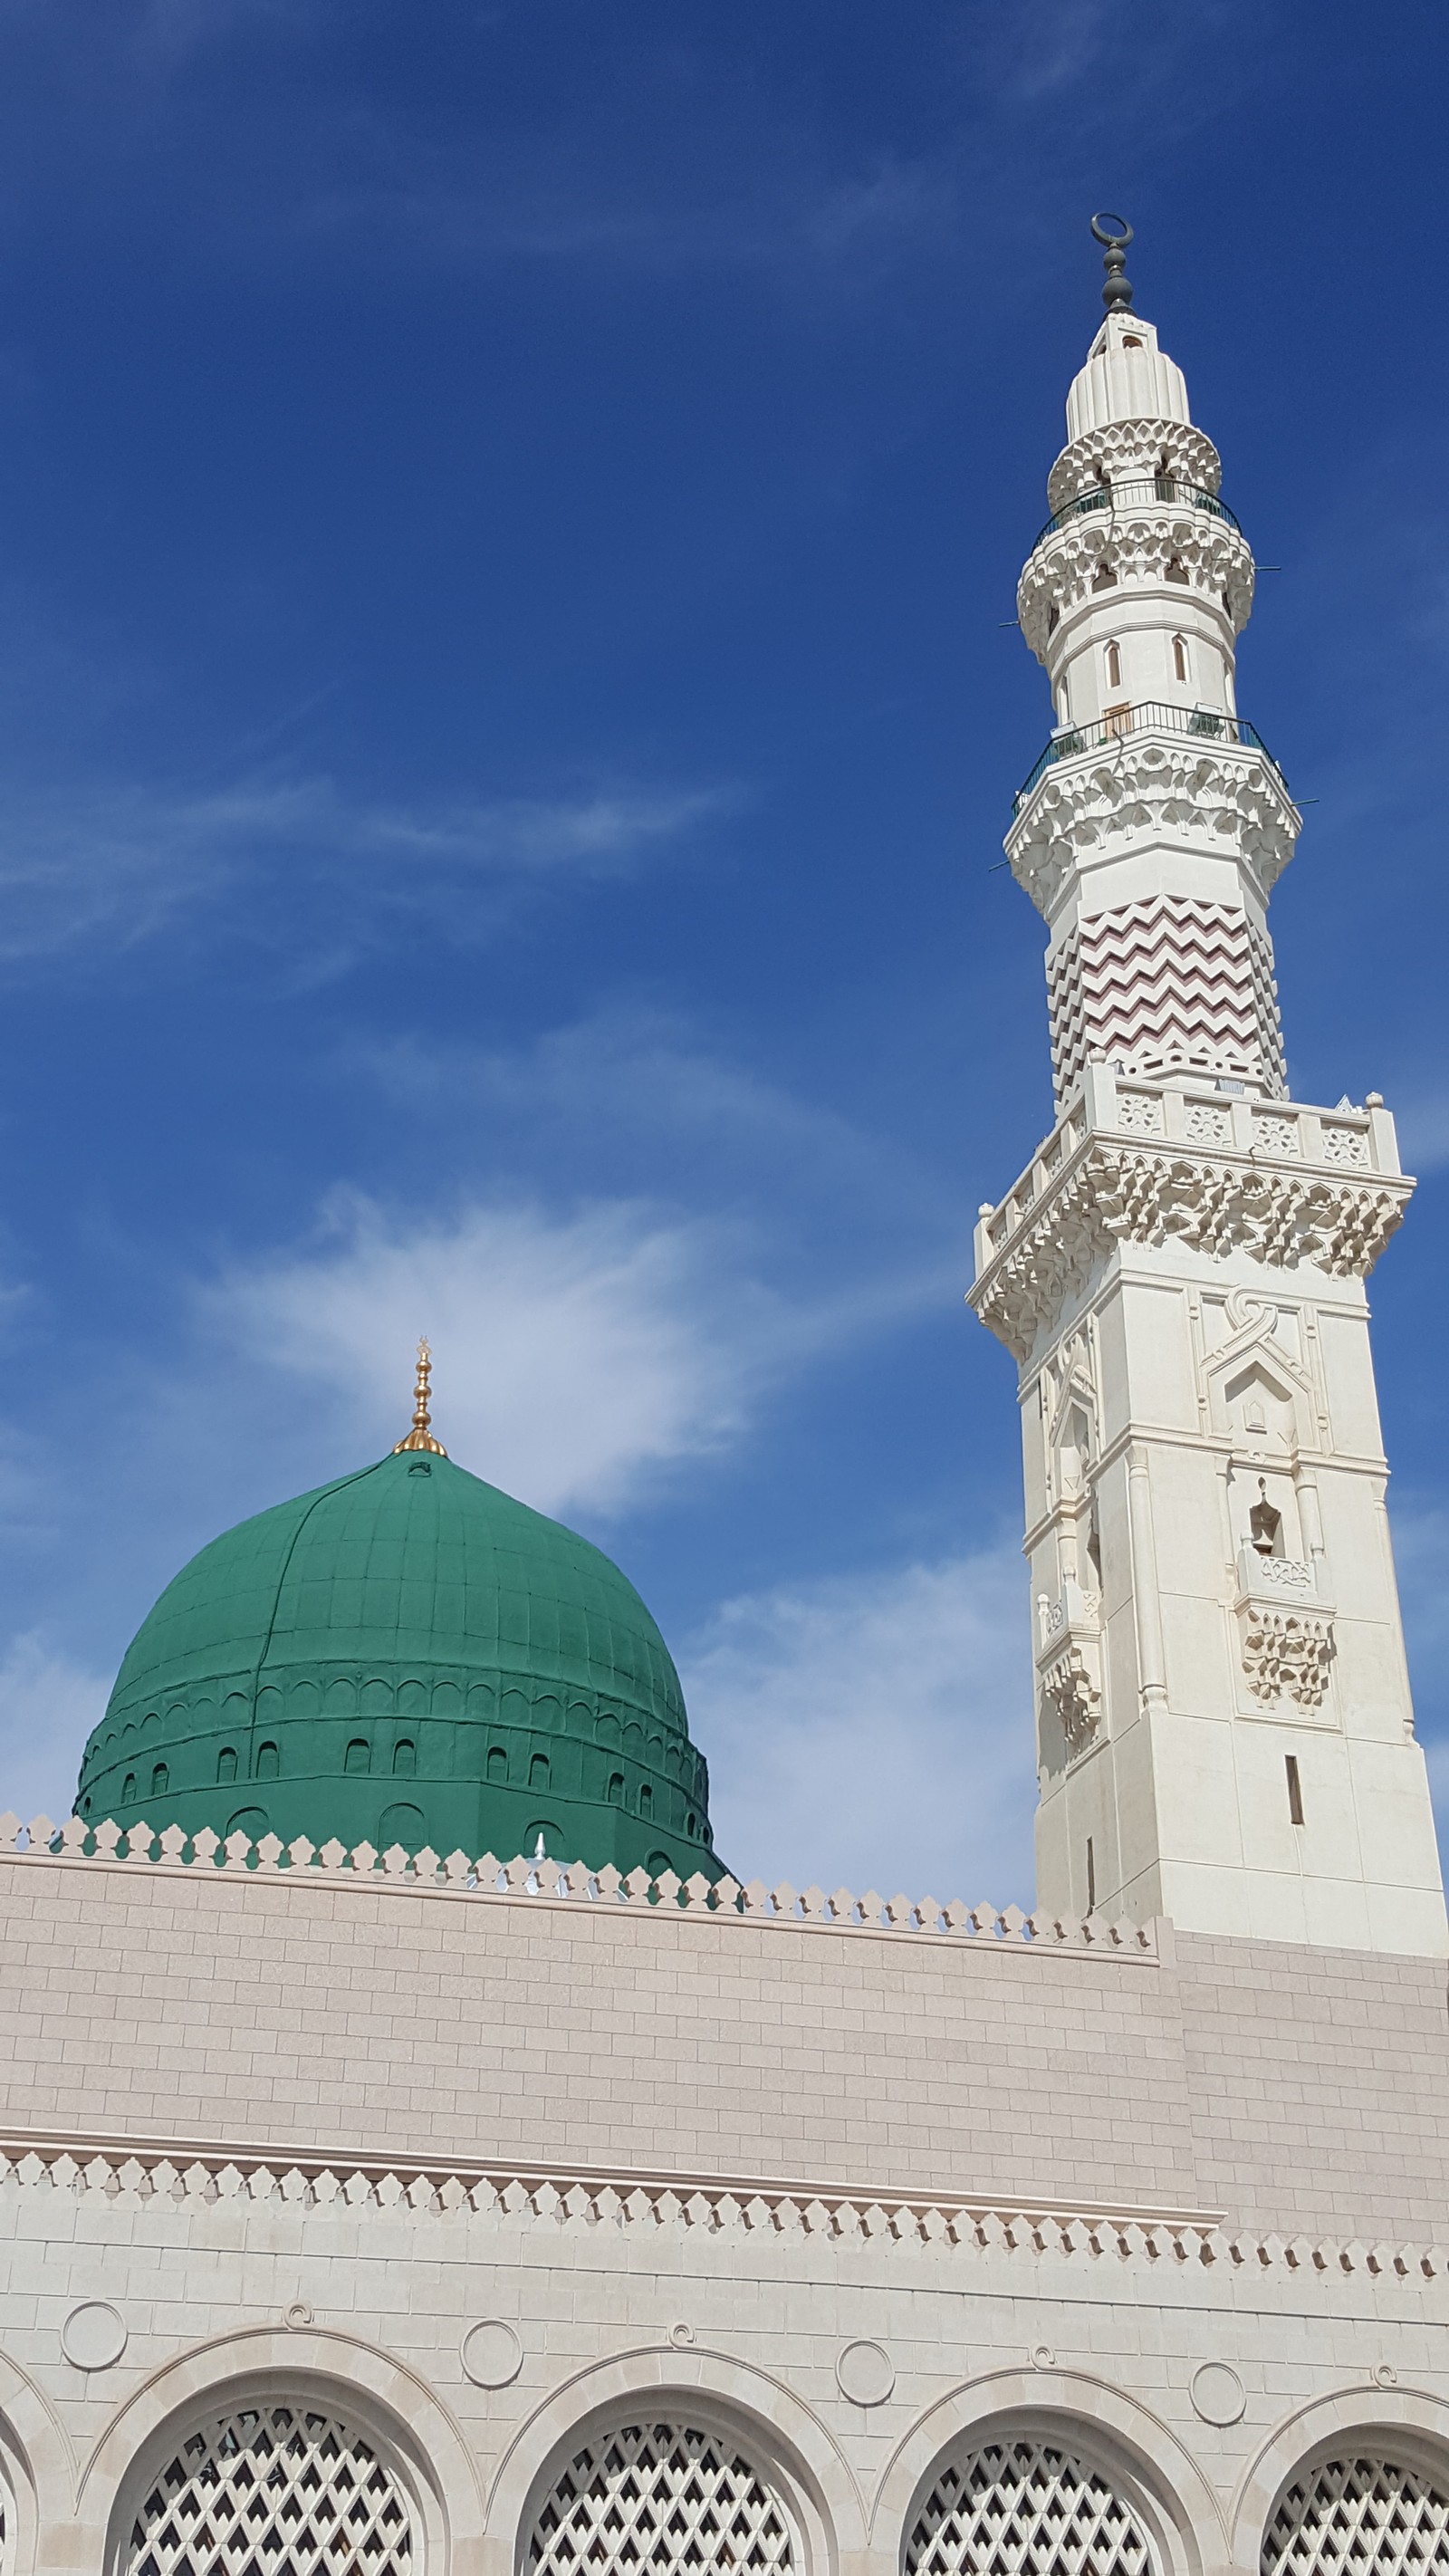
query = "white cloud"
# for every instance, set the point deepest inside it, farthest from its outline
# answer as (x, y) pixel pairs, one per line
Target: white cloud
(874, 1730)
(573, 1355)
(48, 1705)
(132, 859)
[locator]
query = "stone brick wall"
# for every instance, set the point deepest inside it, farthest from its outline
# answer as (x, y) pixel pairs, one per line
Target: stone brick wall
(1296, 2091)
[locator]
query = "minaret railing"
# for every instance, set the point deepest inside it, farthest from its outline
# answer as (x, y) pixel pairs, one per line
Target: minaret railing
(1154, 487)
(1152, 716)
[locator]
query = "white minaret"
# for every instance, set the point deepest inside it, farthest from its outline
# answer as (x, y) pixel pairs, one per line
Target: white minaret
(1224, 1728)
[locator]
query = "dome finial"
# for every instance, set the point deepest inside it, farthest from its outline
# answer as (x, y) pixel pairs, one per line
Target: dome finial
(420, 1436)
(1117, 293)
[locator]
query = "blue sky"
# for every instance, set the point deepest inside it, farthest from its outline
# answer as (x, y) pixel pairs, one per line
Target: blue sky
(506, 725)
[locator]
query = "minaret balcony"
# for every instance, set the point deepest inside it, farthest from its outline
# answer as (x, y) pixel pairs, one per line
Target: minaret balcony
(1208, 724)
(1132, 493)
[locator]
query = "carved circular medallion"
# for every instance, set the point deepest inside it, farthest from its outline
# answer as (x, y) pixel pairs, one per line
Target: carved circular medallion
(298, 2314)
(1043, 2357)
(492, 2353)
(93, 2335)
(681, 2336)
(865, 2372)
(1217, 2393)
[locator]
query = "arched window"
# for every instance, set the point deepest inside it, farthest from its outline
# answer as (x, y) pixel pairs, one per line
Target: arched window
(1369, 2515)
(497, 1762)
(359, 1755)
(159, 1779)
(1058, 2510)
(128, 1788)
(651, 2499)
(1179, 657)
(1177, 569)
(538, 1771)
(226, 1763)
(268, 1762)
(616, 1788)
(1104, 578)
(646, 1799)
(272, 2486)
(1114, 666)
(404, 1759)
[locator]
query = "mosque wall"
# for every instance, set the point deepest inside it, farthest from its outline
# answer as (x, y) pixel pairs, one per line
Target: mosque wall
(495, 2219)
(377, 2012)
(469, 2339)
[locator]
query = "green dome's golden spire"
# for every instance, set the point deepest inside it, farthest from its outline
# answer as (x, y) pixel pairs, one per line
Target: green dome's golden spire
(420, 1436)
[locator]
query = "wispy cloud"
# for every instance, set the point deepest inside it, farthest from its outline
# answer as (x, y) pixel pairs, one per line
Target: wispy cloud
(129, 861)
(873, 1730)
(578, 1355)
(575, 1355)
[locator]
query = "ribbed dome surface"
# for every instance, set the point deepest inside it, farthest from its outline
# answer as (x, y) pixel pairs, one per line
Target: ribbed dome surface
(407, 1655)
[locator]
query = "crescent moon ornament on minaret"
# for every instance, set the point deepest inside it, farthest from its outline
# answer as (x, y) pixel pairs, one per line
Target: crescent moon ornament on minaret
(1117, 293)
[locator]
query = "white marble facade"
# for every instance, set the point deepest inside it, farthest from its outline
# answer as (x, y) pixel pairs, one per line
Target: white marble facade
(1225, 1732)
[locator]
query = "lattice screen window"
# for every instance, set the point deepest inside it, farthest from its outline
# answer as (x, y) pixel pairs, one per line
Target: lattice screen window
(1024, 2508)
(273, 2491)
(1367, 2516)
(663, 2498)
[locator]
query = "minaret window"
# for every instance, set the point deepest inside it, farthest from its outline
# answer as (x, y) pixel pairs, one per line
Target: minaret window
(1105, 579)
(226, 1763)
(267, 1762)
(497, 1762)
(128, 1788)
(1295, 1789)
(358, 1756)
(1177, 570)
(404, 1759)
(538, 1771)
(1114, 666)
(159, 1780)
(1179, 658)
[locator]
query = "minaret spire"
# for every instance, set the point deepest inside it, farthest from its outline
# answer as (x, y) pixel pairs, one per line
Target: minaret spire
(420, 1436)
(1117, 293)
(1224, 1727)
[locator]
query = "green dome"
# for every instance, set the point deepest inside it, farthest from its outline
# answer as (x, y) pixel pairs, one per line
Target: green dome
(406, 1656)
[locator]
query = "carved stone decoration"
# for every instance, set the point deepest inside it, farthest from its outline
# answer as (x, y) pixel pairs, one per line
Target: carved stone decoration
(1287, 1655)
(1200, 790)
(1070, 1692)
(1121, 447)
(1135, 543)
(1121, 1193)
(1162, 983)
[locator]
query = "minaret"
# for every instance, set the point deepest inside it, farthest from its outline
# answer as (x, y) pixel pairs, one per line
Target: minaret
(1224, 1728)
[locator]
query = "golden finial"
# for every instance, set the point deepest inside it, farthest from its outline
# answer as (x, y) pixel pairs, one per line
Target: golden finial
(420, 1436)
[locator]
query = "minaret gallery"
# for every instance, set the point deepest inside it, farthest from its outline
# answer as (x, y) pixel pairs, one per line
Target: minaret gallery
(1224, 1728)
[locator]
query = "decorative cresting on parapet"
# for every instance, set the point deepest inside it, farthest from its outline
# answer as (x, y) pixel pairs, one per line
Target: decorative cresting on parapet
(1093, 1186)
(156, 2177)
(41, 1844)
